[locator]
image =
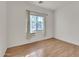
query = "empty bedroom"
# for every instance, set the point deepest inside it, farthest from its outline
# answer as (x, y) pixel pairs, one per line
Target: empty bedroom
(39, 28)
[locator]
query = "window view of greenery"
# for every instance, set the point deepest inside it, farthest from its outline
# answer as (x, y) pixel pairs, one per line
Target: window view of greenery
(36, 23)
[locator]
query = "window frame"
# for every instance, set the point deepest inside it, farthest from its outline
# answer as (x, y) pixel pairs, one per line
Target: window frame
(36, 26)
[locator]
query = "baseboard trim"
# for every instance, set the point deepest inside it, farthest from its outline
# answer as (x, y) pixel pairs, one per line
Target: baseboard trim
(66, 41)
(30, 43)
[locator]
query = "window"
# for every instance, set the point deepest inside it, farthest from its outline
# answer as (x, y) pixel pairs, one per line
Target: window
(36, 23)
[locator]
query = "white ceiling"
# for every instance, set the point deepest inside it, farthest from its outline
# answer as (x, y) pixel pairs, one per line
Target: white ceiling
(51, 5)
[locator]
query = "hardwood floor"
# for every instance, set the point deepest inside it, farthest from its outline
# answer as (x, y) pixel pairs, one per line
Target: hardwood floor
(45, 48)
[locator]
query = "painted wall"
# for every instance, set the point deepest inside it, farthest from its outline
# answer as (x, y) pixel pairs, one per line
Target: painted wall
(3, 28)
(67, 23)
(17, 23)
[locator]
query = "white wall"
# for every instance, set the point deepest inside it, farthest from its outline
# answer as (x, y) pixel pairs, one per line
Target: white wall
(67, 23)
(3, 28)
(17, 23)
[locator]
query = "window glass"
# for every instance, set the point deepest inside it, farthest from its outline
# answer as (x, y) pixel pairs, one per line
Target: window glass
(40, 23)
(36, 23)
(32, 23)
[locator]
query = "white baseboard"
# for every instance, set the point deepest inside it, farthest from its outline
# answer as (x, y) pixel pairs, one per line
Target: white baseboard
(68, 41)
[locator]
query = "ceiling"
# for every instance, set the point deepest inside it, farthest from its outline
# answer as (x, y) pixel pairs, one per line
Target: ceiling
(51, 5)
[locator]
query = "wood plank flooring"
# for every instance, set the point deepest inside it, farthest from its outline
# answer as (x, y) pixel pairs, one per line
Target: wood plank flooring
(45, 48)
